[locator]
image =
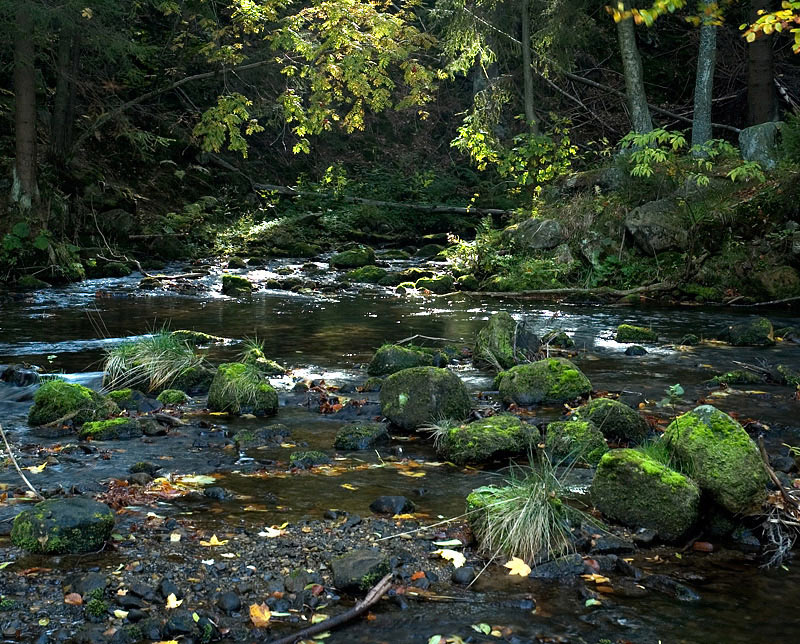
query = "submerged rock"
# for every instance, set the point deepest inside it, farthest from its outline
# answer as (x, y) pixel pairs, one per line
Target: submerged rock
(576, 440)
(353, 258)
(615, 419)
(360, 436)
(391, 358)
(413, 397)
(721, 457)
(239, 389)
(637, 491)
(63, 526)
(504, 342)
(59, 399)
(552, 380)
(391, 505)
(486, 439)
(631, 333)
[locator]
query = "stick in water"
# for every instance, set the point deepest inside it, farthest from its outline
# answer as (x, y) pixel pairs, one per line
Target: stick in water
(16, 465)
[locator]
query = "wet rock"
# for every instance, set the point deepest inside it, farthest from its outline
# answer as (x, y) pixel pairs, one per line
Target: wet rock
(88, 585)
(559, 339)
(235, 285)
(467, 283)
(353, 258)
(129, 601)
(568, 566)
(413, 397)
(391, 505)
(635, 350)
(635, 490)
(115, 429)
(143, 590)
(504, 342)
(144, 466)
(149, 426)
(631, 333)
(135, 401)
(359, 570)
(611, 545)
(367, 274)
(614, 419)
(575, 440)
(552, 380)
(236, 389)
(299, 579)
(669, 586)
(179, 623)
(261, 437)
(307, 459)
(428, 251)
(236, 262)
(167, 587)
(391, 358)
(657, 226)
(760, 143)
(58, 399)
(721, 457)
(464, 575)
(757, 332)
(140, 478)
(216, 493)
(743, 539)
(690, 340)
(644, 536)
(372, 385)
(536, 234)
(18, 375)
(360, 436)
(486, 439)
(63, 526)
(439, 284)
(229, 602)
(782, 463)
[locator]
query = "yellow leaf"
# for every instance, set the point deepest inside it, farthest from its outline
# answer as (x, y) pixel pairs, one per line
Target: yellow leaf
(167, 642)
(36, 469)
(175, 537)
(213, 541)
(173, 602)
(87, 13)
(452, 555)
(413, 475)
(259, 615)
(318, 617)
(120, 614)
(598, 579)
(403, 516)
(271, 533)
(750, 37)
(348, 486)
(288, 445)
(517, 567)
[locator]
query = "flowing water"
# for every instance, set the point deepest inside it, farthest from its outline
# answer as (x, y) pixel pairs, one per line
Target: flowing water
(332, 337)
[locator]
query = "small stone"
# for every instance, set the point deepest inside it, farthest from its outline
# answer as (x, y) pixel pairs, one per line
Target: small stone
(216, 492)
(391, 505)
(610, 544)
(464, 575)
(167, 588)
(635, 350)
(229, 602)
(644, 536)
(569, 566)
(140, 478)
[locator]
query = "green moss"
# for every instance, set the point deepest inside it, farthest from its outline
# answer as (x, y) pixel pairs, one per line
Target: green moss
(196, 338)
(631, 333)
(255, 356)
(791, 376)
(504, 342)
(56, 399)
(440, 284)
(576, 440)
(235, 285)
(96, 608)
(172, 397)
(757, 332)
(58, 526)
(737, 377)
(30, 283)
(353, 258)
(308, 458)
(558, 338)
(413, 397)
(429, 250)
(360, 436)
(105, 430)
(391, 358)
(395, 254)
(487, 439)
(468, 283)
(372, 384)
(553, 380)
(406, 285)
(120, 396)
(368, 274)
(614, 419)
(238, 388)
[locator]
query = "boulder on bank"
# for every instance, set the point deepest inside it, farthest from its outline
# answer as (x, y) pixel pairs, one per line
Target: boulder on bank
(172, 397)
(63, 526)
(637, 491)
(240, 389)
(504, 342)
(760, 143)
(756, 332)
(353, 258)
(359, 436)
(552, 380)
(59, 399)
(440, 284)
(632, 333)
(391, 358)
(536, 234)
(487, 439)
(413, 397)
(721, 457)
(614, 419)
(235, 285)
(575, 440)
(657, 226)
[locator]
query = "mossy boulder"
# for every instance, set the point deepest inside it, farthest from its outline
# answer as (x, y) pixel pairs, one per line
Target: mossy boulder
(505, 342)
(789, 375)
(428, 251)
(236, 262)
(559, 339)
(359, 570)
(394, 253)
(637, 491)
(439, 284)
(737, 377)
(631, 333)
(172, 397)
(487, 439)
(575, 440)
(60, 399)
(614, 419)
(309, 458)
(468, 283)
(780, 282)
(414, 274)
(353, 258)
(360, 436)
(110, 430)
(553, 380)
(194, 380)
(718, 453)
(372, 384)
(261, 437)
(391, 358)
(196, 338)
(239, 389)
(413, 397)
(235, 285)
(390, 279)
(123, 398)
(30, 283)
(757, 332)
(368, 274)
(63, 526)
(255, 357)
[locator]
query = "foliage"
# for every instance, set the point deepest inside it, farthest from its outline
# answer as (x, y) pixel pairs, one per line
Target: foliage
(479, 257)
(790, 137)
(785, 19)
(226, 120)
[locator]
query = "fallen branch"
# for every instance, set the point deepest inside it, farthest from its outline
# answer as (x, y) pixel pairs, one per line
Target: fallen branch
(372, 598)
(424, 337)
(771, 302)
(599, 291)
(17, 467)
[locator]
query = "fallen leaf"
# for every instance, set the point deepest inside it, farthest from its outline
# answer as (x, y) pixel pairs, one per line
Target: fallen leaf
(450, 543)
(598, 579)
(173, 602)
(413, 475)
(228, 555)
(259, 615)
(417, 575)
(403, 516)
(5, 564)
(120, 614)
(271, 533)
(348, 486)
(592, 602)
(517, 567)
(288, 445)
(213, 541)
(318, 617)
(73, 599)
(36, 469)
(175, 537)
(482, 628)
(452, 555)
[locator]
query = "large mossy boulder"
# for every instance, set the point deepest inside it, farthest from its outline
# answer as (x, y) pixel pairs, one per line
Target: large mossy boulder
(59, 399)
(637, 491)
(236, 286)
(718, 453)
(504, 342)
(614, 419)
(632, 333)
(757, 332)
(391, 358)
(240, 389)
(440, 284)
(575, 440)
(780, 281)
(552, 380)
(413, 397)
(63, 526)
(358, 436)
(109, 430)
(353, 258)
(367, 274)
(657, 226)
(487, 439)
(536, 234)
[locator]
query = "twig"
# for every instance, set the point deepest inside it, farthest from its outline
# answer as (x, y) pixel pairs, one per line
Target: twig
(424, 337)
(16, 465)
(771, 302)
(787, 498)
(372, 598)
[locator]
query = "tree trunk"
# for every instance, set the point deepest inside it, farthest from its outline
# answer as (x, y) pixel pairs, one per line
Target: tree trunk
(704, 82)
(24, 191)
(634, 76)
(64, 100)
(527, 70)
(762, 104)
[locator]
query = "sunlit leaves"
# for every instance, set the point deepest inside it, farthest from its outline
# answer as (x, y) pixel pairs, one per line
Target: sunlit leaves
(213, 541)
(225, 121)
(787, 18)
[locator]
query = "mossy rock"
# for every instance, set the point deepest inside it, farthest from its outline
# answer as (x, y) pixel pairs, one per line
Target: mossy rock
(575, 440)
(123, 398)
(553, 380)
(236, 262)
(504, 342)
(307, 459)
(614, 419)
(360, 436)
(359, 570)
(468, 283)
(368, 274)
(414, 274)
(372, 384)
(239, 389)
(172, 397)
(559, 339)
(717, 452)
(196, 338)
(194, 380)
(353, 258)
(57, 399)
(405, 285)
(439, 284)
(413, 397)
(790, 376)
(487, 439)
(394, 254)
(391, 358)
(110, 430)
(30, 283)
(779, 282)
(690, 340)
(737, 377)
(757, 332)
(261, 437)
(63, 526)
(390, 279)
(639, 492)
(631, 333)
(235, 285)
(255, 357)
(428, 251)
